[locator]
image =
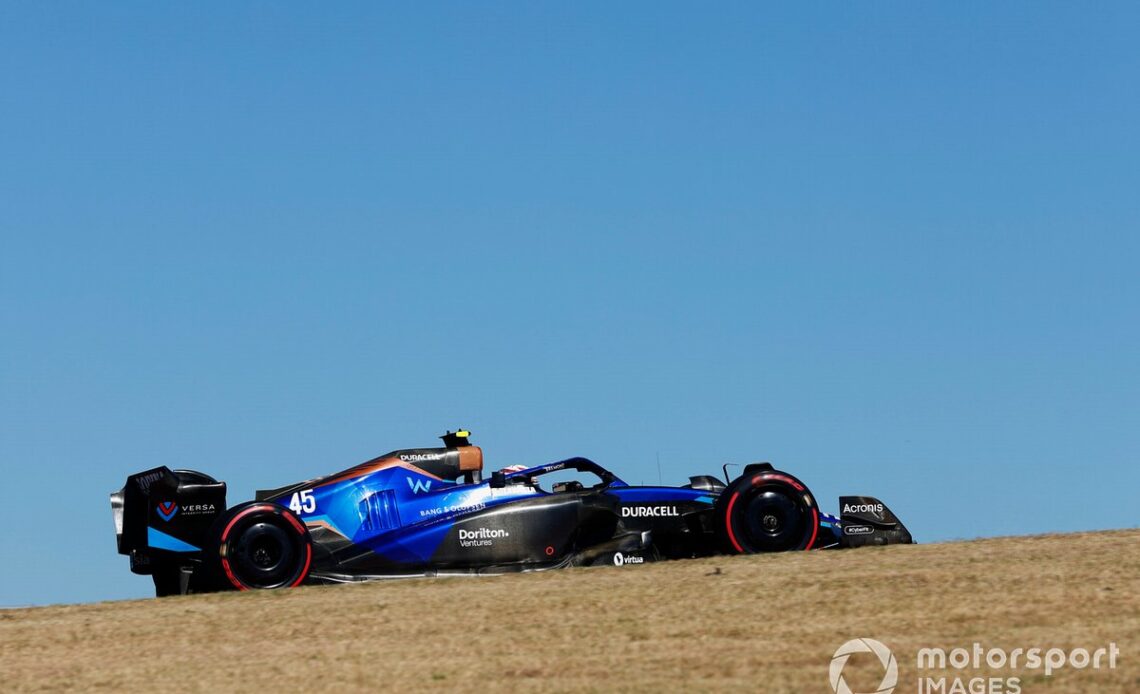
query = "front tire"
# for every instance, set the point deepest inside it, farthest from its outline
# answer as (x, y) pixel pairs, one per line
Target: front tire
(261, 546)
(769, 511)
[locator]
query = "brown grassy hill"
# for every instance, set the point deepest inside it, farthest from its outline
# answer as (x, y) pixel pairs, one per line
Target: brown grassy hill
(760, 623)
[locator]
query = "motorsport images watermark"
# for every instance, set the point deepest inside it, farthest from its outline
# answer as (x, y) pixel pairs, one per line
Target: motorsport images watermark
(932, 664)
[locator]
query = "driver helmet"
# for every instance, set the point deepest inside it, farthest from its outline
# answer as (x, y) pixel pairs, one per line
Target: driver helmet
(532, 481)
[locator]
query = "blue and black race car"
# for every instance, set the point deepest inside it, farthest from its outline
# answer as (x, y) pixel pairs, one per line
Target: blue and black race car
(430, 511)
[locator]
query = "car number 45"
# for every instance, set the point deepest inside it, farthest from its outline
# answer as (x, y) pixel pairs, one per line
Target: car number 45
(303, 502)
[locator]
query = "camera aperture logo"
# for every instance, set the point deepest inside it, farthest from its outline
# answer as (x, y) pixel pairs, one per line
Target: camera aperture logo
(839, 660)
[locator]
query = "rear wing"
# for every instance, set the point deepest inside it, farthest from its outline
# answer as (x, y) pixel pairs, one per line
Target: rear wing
(164, 514)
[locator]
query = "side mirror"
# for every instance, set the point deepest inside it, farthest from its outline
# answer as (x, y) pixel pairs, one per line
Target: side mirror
(498, 479)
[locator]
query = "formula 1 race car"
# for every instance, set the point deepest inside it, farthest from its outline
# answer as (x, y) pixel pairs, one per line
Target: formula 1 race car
(429, 511)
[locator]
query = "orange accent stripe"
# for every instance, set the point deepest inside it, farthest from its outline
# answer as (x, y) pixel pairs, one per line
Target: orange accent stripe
(374, 466)
(326, 525)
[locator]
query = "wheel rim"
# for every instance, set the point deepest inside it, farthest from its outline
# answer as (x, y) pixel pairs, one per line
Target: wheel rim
(774, 521)
(264, 555)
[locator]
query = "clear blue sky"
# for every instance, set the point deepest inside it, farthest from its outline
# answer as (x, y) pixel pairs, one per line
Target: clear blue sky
(891, 247)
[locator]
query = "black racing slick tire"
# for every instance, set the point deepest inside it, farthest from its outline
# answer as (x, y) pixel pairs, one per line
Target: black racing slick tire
(260, 545)
(768, 511)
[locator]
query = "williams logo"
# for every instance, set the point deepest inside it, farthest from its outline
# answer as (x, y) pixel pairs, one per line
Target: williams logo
(419, 486)
(167, 509)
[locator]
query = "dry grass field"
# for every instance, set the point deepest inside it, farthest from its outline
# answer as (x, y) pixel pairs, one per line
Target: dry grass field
(761, 623)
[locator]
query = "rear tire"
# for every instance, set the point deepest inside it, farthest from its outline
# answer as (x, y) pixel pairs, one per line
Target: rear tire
(768, 511)
(261, 545)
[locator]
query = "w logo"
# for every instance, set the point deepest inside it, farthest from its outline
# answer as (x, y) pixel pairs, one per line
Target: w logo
(167, 509)
(419, 486)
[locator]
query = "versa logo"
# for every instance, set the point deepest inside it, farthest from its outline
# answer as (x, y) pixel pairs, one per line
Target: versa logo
(419, 486)
(167, 509)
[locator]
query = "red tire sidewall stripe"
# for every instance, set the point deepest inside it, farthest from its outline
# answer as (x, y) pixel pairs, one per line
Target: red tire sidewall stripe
(728, 523)
(308, 548)
(230, 575)
(305, 571)
(758, 479)
(245, 512)
(814, 527)
(296, 523)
